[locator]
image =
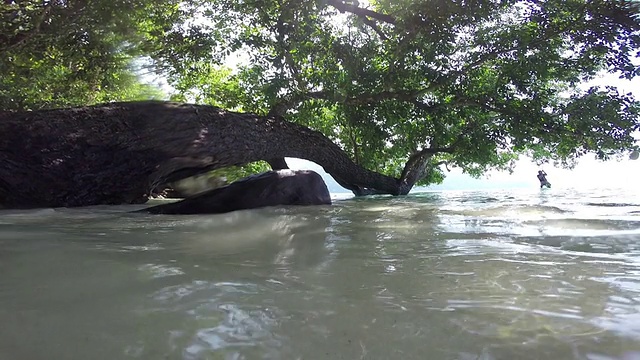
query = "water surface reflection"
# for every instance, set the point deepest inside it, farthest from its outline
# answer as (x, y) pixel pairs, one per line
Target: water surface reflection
(436, 275)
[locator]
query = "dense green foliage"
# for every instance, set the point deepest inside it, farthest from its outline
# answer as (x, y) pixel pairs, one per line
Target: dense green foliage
(482, 81)
(233, 173)
(56, 53)
(473, 83)
(61, 53)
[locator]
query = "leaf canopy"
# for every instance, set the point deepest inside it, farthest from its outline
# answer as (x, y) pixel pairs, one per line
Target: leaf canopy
(472, 84)
(477, 82)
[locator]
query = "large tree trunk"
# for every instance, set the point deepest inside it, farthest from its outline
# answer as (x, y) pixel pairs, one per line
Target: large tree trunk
(118, 153)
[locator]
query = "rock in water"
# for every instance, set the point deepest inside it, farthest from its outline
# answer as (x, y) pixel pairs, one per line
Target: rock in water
(280, 187)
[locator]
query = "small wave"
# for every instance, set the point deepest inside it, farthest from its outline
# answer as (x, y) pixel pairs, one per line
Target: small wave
(28, 213)
(509, 211)
(607, 244)
(587, 224)
(607, 204)
(478, 199)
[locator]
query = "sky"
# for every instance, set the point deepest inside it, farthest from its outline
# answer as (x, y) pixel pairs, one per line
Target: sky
(588, 174)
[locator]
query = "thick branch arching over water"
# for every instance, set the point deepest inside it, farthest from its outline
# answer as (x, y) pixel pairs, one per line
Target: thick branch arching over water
(118, 153)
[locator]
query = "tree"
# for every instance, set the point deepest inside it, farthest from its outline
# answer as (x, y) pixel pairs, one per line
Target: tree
(402, 87)
(118, 153)
(472, 84)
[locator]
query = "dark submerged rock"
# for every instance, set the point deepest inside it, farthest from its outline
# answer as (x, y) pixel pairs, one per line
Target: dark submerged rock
(280, 187)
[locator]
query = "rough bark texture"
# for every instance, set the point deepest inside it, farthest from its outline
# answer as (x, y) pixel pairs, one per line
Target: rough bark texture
(118, 153)
(277, 164)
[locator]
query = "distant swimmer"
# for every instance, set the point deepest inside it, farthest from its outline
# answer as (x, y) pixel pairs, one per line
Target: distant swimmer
(542, 176)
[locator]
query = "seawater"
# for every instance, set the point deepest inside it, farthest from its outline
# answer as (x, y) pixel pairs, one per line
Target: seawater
(521, 274)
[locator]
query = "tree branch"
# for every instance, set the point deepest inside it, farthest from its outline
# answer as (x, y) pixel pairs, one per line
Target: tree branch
(361, 12)
(372, 24)
(119, 152)
(277, 163)
(445, 163)
(361, 99)
(414, 169)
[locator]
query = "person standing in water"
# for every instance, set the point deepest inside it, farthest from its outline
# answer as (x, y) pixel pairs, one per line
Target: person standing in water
(542, 176)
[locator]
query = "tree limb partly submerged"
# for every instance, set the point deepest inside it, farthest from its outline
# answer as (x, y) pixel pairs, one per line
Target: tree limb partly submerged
(119, 153)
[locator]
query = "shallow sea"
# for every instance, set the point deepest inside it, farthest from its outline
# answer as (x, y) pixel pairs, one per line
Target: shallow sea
(519, 274)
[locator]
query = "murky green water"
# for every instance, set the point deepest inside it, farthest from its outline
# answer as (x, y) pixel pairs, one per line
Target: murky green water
(449, 275)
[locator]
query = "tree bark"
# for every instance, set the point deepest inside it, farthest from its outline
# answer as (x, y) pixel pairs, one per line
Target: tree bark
(277, 164)
(118, 153)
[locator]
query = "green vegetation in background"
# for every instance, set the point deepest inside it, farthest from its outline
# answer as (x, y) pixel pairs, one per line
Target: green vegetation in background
(234, 173)
(482, 82)
(71, 53)
(487, 81)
